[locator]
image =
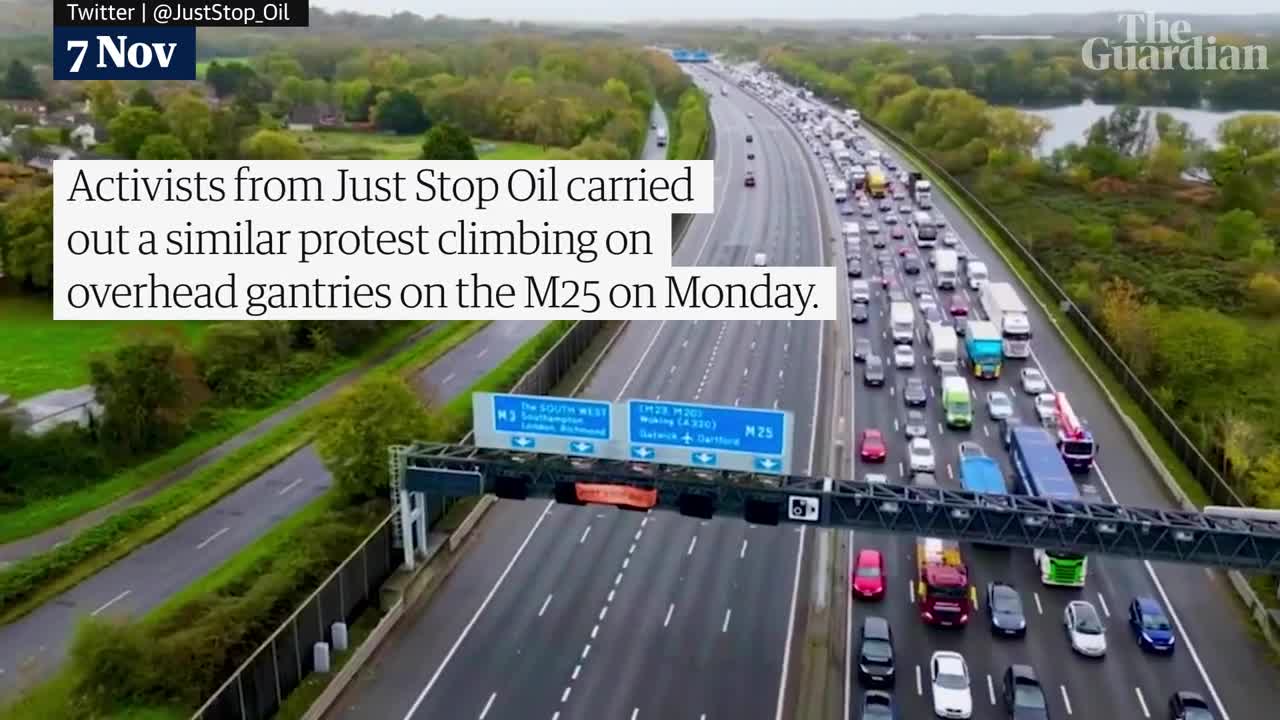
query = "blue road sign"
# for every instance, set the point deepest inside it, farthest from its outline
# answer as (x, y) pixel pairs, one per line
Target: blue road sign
(702, 457)
(707, 427)
(768, 464)
(582, 447)
(528, 415)
(640, 452)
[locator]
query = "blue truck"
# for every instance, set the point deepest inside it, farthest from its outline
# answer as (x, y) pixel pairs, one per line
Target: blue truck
(1039, 471)
(985, 348)
(982, 475)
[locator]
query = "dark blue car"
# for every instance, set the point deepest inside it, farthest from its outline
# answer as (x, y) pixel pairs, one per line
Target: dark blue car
(878, 705)
(1150, 625)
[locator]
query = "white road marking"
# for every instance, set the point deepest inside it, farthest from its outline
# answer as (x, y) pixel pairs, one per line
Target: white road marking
(670, 609)
(639, 533)
(986, 430)
(617, 580)
(941, 430)
(290, 486)
(111, 602)
(435, 677)
(902, 470)
(951, 475)
(611, 592)
(635, 713)
(480, 355)
(633, 549)
(586, 650)
(212, 537)
(743, 552)
(576, 670)
(595, 630)
(565, 695)
(448, 378)
(1142, 701)
(791, 626)
(487, 705)
(1103, 602)
(1066, 699)
(585, 533)
(911, 592)
(991, 690)
(919, 681)
(728, 613)
(693, 542)
(1039, 607)
(545, 603)
(555, 715)
(625, 562)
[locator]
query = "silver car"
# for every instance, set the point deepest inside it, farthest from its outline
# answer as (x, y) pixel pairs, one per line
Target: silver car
(999, 406)
(1085, 629)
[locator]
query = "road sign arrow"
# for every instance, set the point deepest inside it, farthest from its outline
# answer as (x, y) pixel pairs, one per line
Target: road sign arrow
(641, 452)
(521, 441)
(704, 458)
(767, 464)
(582, 447)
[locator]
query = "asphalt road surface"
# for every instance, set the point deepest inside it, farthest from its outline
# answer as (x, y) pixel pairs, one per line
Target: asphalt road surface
(35, 645)
(1216, 656)
(561, 612)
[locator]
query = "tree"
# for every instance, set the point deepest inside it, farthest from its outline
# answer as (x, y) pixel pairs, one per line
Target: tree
(142, 97)
(1128, 322)
(273, 145)
(132, 126)
(141, 391)
(20, 82)
(400, 112)
(104, 102)
(1236, 232)
(28, 239)
(1264, 293)
(359, 427)
(1195, 348)
(447, 141)
(163, 147)
(190, 119)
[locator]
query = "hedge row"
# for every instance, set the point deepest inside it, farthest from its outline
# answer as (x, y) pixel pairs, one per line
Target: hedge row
(690, 124)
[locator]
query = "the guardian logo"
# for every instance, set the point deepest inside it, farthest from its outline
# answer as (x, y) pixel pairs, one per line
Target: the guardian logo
(1162, 45)
(124, 53)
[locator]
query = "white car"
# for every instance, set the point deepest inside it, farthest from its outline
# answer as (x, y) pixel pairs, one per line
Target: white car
(920, 451)
(904, 358)
(999, 406)
(950, 239)
(950, 683)
(1046, 408)
(1033, 381)
(1085, 629)
(873, 228)
(860, 291)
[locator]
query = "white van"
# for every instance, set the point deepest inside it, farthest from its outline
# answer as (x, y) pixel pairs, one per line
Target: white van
(851, 230)
(976, 273)
(760, 260)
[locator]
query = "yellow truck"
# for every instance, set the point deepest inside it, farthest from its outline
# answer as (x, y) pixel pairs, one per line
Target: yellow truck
(877, 182)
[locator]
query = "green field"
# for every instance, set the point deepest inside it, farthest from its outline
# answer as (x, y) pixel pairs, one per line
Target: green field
(41, 355)
(349, 145)
(204, 64)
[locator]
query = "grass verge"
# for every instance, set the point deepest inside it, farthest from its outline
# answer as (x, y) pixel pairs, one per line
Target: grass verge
(49, 513)
(1186, 481)
(32, 582)
(357, 145)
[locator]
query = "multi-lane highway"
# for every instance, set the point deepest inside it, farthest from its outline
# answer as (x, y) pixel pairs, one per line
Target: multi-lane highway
(1216, 656)
(33, 646)
(560, 612)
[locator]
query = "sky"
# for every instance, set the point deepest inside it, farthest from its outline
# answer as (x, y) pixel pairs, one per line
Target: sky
(631, 10)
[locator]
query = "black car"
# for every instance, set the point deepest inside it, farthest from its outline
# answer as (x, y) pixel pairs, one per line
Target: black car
(878, 240)
(886, 205)
(875, 653)
(1185, 705)
(877, 705)
(861, 348)
(859, 312)
(751, 155)
(855, 269)
(1006, 427)
(873, 371)
(916, 425)
(1022, 695)
(911, 265)
(1004, 609)
(914, 394)
(749, 138)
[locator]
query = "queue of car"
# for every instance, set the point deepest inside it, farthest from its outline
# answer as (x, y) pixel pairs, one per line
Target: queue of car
(1021, 694)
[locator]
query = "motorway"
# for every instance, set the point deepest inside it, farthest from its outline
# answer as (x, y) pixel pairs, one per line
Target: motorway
(33, 646)
(563, 612)
(1217, 655)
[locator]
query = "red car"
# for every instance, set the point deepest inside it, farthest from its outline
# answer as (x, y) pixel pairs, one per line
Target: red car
(868, 575)
(904, 251)
(958, 307)
(872, 447)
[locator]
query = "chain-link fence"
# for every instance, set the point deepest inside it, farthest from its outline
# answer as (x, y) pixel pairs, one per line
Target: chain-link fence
(256, 689)
(1201, 468)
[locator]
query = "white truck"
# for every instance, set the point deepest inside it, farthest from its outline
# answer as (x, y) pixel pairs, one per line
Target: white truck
(924, 194)
(662, 137)
(853, 116)
(841, 191)
(902, 322)
(946, 266)
(944, 345)
(1003, 307)
(975, 271)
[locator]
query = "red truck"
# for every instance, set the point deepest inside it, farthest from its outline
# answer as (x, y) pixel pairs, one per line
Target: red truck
(943, 592)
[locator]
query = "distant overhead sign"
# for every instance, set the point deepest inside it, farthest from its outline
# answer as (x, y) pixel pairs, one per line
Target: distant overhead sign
(705, 436)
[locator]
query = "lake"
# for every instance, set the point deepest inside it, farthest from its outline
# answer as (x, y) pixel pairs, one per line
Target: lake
(1071, 122)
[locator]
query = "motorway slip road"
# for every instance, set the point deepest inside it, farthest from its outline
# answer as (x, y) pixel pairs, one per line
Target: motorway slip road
(35, 645)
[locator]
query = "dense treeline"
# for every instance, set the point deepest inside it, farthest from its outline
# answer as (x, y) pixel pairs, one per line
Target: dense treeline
(157, 391)
(1182, 275)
